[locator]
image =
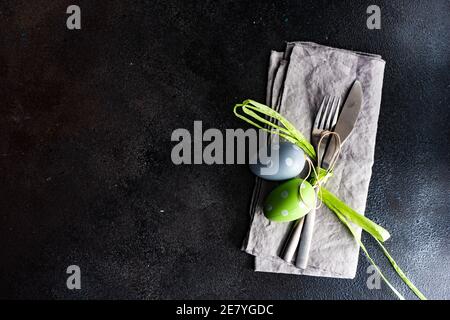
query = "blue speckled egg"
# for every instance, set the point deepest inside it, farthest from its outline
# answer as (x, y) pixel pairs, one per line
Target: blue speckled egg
(288, 164)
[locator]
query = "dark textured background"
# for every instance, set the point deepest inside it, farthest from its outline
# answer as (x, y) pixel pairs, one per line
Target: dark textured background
(86, 119)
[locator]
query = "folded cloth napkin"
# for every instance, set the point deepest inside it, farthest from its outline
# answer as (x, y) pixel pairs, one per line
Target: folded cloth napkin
(298, 79)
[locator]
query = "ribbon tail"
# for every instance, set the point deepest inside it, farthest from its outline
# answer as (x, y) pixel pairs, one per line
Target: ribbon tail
(346, 215)
(355, 235)
(402, 275)
(337, 205)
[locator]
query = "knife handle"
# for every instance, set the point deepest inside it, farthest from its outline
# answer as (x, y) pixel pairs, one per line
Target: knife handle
(305, 243)
(292, 241)
(330, 153)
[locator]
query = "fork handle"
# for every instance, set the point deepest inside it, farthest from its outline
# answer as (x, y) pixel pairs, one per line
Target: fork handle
(292, 240)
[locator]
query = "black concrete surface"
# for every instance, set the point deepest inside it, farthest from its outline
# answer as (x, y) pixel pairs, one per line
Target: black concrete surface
(86, 119)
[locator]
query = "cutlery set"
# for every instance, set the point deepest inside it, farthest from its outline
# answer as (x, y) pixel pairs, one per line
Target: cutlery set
(316, 245)
(328, 119)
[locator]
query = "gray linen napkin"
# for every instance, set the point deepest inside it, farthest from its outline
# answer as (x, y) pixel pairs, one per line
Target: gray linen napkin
(298, 79)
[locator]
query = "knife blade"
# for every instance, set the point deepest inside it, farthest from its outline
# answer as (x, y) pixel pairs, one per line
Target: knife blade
(346, 122)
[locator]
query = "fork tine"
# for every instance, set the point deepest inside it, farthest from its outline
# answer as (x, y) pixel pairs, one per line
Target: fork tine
(336, 114)
(333, 112)
(325, 114)
(330, 114)
(319, 113)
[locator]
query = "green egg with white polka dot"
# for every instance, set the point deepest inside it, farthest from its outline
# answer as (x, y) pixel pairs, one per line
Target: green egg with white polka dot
(290, 201)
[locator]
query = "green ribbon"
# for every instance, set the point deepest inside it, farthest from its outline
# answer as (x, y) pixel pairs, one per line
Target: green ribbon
(251, 111)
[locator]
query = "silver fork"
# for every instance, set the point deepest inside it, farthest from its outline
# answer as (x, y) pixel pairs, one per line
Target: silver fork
(325, 120)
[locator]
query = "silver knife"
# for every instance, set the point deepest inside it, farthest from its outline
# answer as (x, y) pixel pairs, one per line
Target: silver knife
(346, 121)
(344, 127)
